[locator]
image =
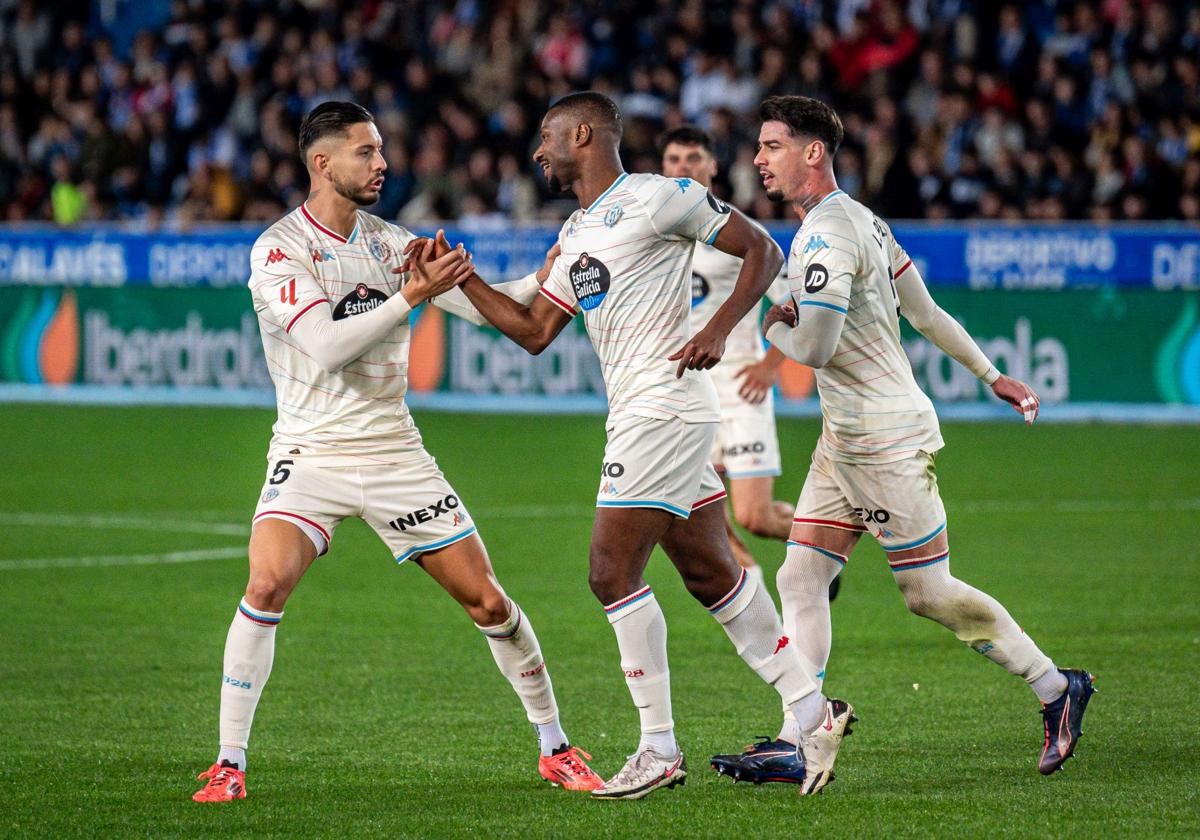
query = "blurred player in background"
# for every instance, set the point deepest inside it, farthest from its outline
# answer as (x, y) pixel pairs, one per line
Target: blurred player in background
(873, 468)
(746, 450)
(333, 300)
(626, 264)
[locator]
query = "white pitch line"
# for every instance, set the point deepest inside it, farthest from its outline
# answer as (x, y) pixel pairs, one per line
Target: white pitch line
(123, 559)
(121, 522)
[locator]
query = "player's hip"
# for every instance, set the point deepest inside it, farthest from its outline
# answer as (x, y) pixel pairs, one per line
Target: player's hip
(410, 505)
(658, 462)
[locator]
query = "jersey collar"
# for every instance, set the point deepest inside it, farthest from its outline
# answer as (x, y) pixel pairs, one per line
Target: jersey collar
(312, 220)
(604, 194)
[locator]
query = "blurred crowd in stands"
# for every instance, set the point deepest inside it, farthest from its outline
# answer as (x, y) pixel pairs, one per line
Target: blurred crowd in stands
(954, 109)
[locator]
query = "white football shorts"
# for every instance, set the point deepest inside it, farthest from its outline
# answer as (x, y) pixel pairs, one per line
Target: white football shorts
(410, 505)
(747, 445)
(897, 503)
(659, 463)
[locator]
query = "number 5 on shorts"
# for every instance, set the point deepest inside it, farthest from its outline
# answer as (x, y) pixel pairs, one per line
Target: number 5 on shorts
(281, 472)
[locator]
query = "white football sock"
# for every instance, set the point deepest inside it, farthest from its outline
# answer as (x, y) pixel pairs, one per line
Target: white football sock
(234, 756)
(519, 657)
(756, 573)
(249, 652)
(977, 619)
(551, 737)
(803, 582)
(748, 616)
(641, 632)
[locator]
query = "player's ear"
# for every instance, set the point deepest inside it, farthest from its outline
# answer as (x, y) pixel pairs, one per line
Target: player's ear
(816, 152)
(583, 133)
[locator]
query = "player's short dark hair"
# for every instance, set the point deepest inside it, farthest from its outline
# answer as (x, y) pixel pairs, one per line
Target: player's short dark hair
(686, 135)
(806, 117)
(330, 118)
(593, 108)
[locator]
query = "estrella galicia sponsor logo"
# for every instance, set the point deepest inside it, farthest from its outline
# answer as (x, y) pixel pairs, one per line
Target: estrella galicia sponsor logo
(426, 514)
(756, 448)
(270, 494)
(717, 204)
(590, 279)
(700, 289)
(879, 516)
(815, 243)
(613, 216)
(362, 299)
(815, 278)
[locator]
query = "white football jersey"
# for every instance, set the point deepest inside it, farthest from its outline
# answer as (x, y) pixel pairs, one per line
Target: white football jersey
(626, 263)
(714, 276)
(357, 414)
(845, 259)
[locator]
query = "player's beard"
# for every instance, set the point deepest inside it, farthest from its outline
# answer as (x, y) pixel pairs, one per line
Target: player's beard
(775, 195)
(358, 195)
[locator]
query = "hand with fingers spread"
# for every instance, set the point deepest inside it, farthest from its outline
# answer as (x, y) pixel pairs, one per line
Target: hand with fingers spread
(780, 312)
(757, 381)
(1019, 395)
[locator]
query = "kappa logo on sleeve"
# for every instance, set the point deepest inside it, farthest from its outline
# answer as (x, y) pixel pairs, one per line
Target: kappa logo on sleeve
(815, 278)
(276, 255)
(815, 243)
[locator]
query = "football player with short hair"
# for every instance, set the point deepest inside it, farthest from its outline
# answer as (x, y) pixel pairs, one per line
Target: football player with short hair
(333, 287)
(625, 264)
(873, 467)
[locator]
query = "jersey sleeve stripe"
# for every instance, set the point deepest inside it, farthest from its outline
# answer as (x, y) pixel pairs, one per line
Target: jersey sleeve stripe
(712, 237)
(903, 268)
(824, 305)
(300, 314)
(560, 304)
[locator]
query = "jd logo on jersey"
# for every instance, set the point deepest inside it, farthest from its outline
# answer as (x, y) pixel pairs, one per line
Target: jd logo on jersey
(700, 289)
(362, 299)
(815, 278)
(590, 279)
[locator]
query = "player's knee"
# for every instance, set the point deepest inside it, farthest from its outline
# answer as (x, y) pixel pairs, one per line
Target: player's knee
(488, 609)
(917, 598)
(267, 592)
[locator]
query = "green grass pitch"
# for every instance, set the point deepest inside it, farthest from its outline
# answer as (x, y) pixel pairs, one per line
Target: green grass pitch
(386, 717)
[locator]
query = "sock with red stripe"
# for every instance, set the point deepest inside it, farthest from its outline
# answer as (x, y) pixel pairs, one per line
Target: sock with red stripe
(249, 652)
(519, 657)
(641, 630)
(748, 617)
(980, 621)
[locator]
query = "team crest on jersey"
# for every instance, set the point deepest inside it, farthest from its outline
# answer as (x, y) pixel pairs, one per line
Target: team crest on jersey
(815, 243)
(590, 279)
(362, 299)
(613, 216)
(379, 249)
(270, 494)
(815, 278)
(700, 289)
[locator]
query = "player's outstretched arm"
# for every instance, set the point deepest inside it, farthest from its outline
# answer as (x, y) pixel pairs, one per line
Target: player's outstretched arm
(533, 327)
(334, 344)
(935, 323)
(523, 291)
(761, 261)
